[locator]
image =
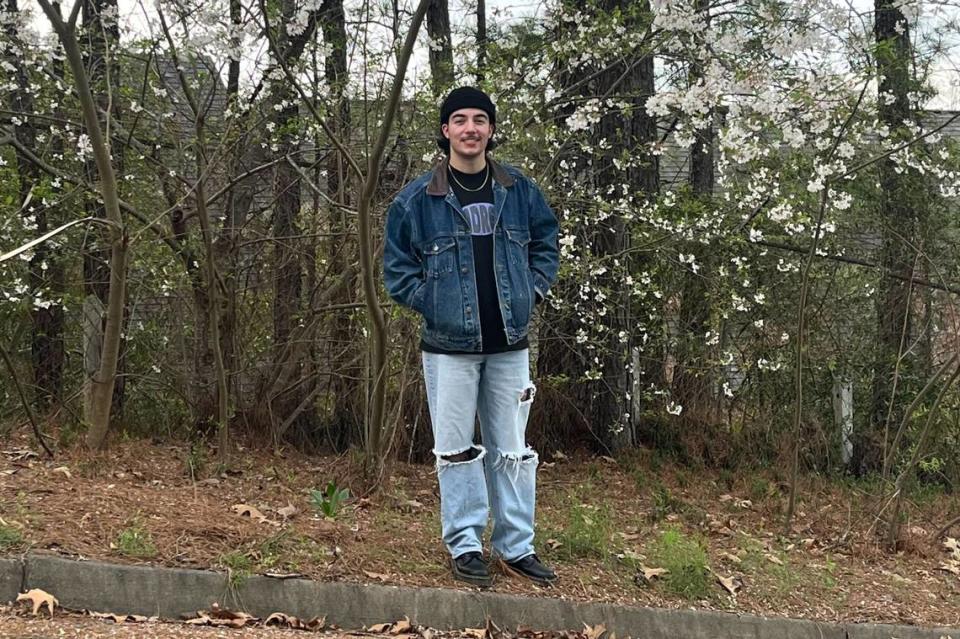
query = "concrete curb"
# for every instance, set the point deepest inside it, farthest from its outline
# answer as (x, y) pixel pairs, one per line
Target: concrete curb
(172, 592)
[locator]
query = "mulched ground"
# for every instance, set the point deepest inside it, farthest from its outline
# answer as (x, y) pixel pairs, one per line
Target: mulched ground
(600, 522)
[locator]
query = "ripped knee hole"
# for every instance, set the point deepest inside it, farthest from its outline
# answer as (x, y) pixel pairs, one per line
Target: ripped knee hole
(465, 456)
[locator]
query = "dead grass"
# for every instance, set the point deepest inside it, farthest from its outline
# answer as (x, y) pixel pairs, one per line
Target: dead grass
(599, 521)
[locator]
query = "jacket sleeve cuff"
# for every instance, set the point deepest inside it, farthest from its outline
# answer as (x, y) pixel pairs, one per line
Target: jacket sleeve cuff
(540, 286)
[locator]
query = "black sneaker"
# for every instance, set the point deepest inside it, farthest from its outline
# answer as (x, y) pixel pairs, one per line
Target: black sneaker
(471, 568)
(529, 567)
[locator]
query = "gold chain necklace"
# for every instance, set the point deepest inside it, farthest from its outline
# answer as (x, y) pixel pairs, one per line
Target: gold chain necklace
(482, 184)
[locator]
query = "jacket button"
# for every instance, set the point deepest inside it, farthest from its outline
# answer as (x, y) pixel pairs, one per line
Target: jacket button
(469, 310)
(464, 270)
(436, 248)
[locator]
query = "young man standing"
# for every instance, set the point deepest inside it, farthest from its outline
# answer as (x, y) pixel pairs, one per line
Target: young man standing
(472, 246)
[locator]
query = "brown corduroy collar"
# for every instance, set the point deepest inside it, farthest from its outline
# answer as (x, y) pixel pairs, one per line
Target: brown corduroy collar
(440, 185)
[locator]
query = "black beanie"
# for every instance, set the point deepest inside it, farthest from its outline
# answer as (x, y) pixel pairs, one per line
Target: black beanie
(467, 98)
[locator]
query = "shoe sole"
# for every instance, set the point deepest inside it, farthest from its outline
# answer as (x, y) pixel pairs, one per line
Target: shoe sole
(505, 567)
(470, 579)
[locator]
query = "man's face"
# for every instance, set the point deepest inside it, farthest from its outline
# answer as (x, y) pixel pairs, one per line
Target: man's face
(468, 131)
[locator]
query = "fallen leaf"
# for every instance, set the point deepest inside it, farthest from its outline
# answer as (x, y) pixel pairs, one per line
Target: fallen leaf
(376, 575)
(952, 566)
(224, 617)
(730, 557)
(64, 471)
(594, 632)
(774, 559)
(401, 626)
(281, 619)
(558, 455)
(283, 575)
(646, 575)
(731, 583)
(245, 510)
(115, 618)
(553, 544)
(379, 628)
(21, 454)
(287, 511)
(412, 504)
(38, 598)
(725, 497)
(608, 459)
(476, 633)
(953, 546)
(631, 555)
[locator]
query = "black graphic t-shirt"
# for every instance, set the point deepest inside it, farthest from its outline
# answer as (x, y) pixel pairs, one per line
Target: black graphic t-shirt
(474, 191)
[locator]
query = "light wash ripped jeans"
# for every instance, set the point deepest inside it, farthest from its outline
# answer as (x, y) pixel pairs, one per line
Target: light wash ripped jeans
(501, 478)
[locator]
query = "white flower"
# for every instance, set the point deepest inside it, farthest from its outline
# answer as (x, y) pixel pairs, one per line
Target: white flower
(84, 147)
(674, 408)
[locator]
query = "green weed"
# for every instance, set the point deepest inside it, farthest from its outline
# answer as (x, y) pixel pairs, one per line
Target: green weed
(135, 541)
(586, 532)
(686, 560)
(10, 537)
(664, 503)
(239, 566)
(196, 460)
(328, 500)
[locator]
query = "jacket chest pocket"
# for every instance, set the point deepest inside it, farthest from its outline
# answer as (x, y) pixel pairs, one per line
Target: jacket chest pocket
(439, 256)
(518, 246)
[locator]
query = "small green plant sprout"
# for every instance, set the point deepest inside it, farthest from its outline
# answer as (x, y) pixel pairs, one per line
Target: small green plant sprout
(135, 541)
(10, 537)
(329, 500)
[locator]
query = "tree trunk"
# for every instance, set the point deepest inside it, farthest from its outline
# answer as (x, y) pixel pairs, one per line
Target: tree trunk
(282, 399)
(101, 39)
(100, 395)
(46, 268)
(691, 388)
(345, 418)
(441, 46)
(481, 40)
(899, 217)
(603, 403)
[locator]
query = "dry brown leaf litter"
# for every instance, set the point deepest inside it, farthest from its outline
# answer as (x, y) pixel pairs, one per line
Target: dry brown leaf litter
(826, 564)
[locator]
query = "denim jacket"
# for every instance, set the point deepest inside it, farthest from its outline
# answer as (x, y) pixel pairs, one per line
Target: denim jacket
(428, 256)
